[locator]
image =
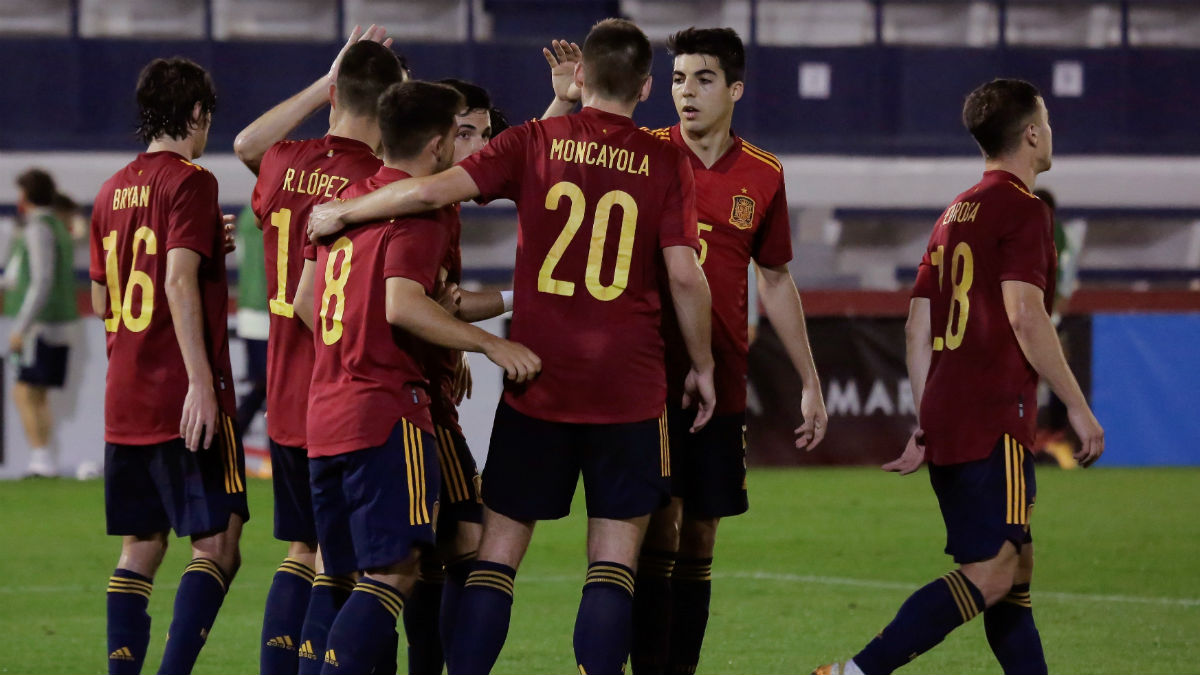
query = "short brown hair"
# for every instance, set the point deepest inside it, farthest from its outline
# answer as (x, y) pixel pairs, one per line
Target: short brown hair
(997, 112)
(38, 187)
(367, 69)
(616, 59)
(412, 112)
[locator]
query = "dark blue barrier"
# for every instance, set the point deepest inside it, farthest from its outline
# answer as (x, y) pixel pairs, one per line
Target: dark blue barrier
(1145, 384)
(78, 94)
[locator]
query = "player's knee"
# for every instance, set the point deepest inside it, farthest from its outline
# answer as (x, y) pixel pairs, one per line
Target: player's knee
(662, 534)
(698, 537)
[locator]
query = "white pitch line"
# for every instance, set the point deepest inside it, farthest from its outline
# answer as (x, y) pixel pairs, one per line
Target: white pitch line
(899, 586)
(759, 576)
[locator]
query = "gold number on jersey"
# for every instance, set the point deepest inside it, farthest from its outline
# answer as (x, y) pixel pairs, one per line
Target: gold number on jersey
(704, 227)
(962, 275)
(336, 276)
(629, 212)
(122, 310)
(281, 220)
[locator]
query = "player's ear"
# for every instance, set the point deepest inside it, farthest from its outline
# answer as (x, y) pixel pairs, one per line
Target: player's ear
(435, 148)
(645, 92)
(332, 95)
(736, 90)
(579, 74)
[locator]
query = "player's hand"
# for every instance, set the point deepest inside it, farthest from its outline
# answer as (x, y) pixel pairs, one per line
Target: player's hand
(519, 363)
(324, 220)
(699, 388)
(562, 57)
(199, 421)
(1091, 435)
(449, 297)
(374, 34)
(230, 223)
(462, 380)
(16, 343)
(913, 456)
(816, 420)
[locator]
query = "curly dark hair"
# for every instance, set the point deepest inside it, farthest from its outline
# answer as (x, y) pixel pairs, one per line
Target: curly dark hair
(167, 93)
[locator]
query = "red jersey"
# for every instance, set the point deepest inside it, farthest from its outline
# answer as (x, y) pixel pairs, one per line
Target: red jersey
(441, 363)
(293, 177)
(596, 199)
(158, 202)
(366, 375)
(742, 208)
(980, 385)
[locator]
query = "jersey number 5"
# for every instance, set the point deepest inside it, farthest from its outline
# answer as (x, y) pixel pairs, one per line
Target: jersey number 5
(336, 276)
(962, 274)
(629, 213)
(122, 306)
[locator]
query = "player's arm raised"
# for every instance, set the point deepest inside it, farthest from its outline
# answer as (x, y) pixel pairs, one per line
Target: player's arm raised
(404, 197)
(779, 296)
(275, 124)
(410, 309)
(1025, 305)
(562, 56)
(693, 307)
(199, 420)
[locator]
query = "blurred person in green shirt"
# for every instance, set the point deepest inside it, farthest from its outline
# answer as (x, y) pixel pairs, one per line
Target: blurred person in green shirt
(39, 298)
(252, 316)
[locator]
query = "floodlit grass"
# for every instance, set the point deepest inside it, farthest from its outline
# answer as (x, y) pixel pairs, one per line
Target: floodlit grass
(816, 568)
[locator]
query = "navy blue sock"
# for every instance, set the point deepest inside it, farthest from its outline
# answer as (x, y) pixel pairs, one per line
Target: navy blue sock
(1013, 635)
(201, 592)
(924, 620)
(652, 613)
(457, 571)
(483, 614)
(604, 624)
(287, 602)
(326, 599)
(128, 621)
(422, 620)
(691, 592)
(363, 630)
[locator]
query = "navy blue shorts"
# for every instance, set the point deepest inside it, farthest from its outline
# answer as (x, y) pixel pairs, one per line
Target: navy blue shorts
(49, 367)
(533, 467)
(708, 468)
(459, 498)
(293, 495)
(153, 488)
(986, 502)
(374, 506)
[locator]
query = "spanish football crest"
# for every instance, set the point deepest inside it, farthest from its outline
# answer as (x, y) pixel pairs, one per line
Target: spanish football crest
(742, 216)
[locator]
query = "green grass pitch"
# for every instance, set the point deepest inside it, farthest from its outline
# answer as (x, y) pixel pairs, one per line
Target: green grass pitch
(816, 568)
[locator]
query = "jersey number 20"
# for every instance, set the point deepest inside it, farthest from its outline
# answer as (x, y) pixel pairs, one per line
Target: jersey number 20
(629, 213)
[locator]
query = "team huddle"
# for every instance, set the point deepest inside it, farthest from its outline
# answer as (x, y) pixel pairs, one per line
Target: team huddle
(626, 361)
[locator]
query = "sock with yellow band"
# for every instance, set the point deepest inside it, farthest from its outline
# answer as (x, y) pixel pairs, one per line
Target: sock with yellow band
(287, 603)
(483, 617)
(1013, 635)
(364, 628)
(128, 621)
(924, 620)
(604, 624)
(201, 592)
(328, 595)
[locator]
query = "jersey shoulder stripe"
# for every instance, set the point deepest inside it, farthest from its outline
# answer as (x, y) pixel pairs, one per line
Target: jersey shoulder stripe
(763, 156)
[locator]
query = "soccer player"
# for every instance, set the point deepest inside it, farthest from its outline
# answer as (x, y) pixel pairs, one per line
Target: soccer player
(292, 177)
(743, 216)
(370, 435)
(589, 303)
(39, 290)
(978, 336)
(172, 460)
(430, 611)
